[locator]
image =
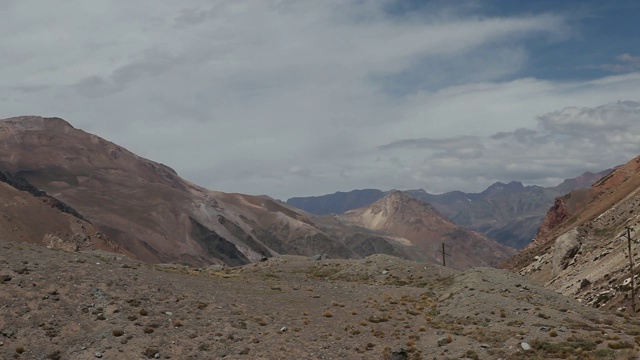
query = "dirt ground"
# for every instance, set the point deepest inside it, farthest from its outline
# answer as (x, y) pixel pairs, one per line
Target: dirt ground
(87, 305)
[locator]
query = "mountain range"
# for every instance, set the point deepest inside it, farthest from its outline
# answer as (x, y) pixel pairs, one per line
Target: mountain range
(147, 211)
(508, 213)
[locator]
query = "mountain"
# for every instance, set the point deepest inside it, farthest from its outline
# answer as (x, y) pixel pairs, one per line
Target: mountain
(153, 215)
(145, 207)
(580, 249)
(421, 225)
(509, 213)
(338, 202)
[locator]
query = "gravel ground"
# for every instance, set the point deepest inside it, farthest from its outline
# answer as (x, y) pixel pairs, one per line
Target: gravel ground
(87, 305)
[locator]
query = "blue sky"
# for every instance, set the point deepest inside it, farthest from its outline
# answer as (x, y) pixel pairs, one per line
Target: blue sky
(293, 98)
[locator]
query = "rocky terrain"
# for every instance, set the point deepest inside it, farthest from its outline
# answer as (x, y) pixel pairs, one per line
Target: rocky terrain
(57, 304)
(580, 249)
(152, 214)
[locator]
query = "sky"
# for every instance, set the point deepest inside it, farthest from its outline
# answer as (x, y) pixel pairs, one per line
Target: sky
(297, 98)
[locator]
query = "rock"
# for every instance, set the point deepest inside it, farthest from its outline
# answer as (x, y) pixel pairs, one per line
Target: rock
(485, 346)
(444, 341)
(98, 354)
(525, 346)
(316, 257)
(562, 329)
(400, 354)
(5, 278)
(545, 328)
(584, 283)
(565, 248)
(21, 271)
(215, 267)
(283, 329)
(385, 272)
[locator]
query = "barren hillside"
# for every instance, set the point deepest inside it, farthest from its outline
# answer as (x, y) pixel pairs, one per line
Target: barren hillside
(579, 250)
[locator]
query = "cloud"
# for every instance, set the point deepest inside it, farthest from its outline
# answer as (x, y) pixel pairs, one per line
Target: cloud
(301, 97)
(620, 116)
(568, 141)
(626, 63)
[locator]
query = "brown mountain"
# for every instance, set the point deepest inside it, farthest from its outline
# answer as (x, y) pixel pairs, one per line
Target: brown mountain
(154, 215)
(579, 249)
(145, 207)
(422, 226)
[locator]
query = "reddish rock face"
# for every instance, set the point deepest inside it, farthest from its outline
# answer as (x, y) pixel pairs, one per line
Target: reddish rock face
(555, 216)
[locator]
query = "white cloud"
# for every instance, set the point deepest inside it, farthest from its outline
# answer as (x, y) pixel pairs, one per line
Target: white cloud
(626, 62)
(564, 143)
(288, 97)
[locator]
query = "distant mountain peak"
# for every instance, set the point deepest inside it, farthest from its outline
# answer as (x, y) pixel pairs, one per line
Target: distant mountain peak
(500, 186)
(421, 225)
(400, 202)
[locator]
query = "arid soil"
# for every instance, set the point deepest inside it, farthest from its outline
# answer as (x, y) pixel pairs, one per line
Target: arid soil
(85, 305)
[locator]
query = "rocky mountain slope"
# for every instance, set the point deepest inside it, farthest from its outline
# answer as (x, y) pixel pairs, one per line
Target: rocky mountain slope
(509, 213)
(152, 214)
(96, 305)
(41, 220)
(420, 224)
(580, 250)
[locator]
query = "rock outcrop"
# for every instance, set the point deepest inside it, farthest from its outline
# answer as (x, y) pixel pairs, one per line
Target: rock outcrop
(565, 249)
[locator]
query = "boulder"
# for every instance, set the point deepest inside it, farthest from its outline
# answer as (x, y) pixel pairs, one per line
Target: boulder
(565, 248)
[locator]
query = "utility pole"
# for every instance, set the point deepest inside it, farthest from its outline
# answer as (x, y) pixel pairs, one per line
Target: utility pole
(444, 254)
(633, 290)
